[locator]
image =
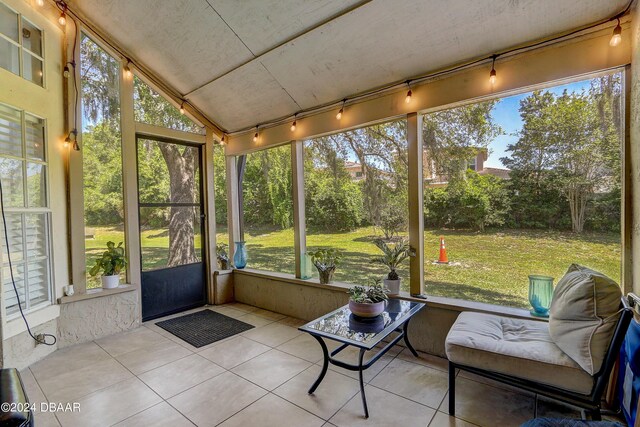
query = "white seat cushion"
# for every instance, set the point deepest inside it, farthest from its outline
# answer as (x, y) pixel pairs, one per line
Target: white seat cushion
(514, 347)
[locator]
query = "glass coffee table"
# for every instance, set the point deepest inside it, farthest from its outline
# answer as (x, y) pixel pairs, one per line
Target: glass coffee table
(343, 326)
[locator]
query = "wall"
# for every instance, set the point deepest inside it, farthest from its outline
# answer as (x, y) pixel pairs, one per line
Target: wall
(634, 136)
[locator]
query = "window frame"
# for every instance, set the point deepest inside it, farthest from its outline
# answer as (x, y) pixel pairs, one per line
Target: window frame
(22, 50)
(26, 210)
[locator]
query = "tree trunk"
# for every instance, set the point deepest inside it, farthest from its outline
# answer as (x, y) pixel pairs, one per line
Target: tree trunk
(182, 175)
(578, 207)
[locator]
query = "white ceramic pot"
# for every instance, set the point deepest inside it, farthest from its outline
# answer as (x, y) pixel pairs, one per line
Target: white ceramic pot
(110, 282)
(393, 286)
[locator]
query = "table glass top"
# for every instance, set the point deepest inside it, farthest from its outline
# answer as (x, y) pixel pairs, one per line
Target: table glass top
(343, 325)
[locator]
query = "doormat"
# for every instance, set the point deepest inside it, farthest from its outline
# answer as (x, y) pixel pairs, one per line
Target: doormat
(203, 327)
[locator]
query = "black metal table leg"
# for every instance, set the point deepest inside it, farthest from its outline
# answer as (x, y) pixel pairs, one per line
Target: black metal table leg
(406, 338)
(361, 371)
(325, 364)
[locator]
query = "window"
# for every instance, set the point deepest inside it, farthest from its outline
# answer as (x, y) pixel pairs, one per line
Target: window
(356, 192)
(101, 152)
(21, 49)
(267, 209)
(23, 171)
(548, 194)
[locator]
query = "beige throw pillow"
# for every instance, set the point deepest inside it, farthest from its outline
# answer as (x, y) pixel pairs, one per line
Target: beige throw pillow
(583, 315)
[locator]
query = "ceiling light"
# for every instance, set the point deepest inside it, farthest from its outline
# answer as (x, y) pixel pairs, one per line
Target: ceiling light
(40, 3)
(126, 70)
(616, 38)
(65, 72)
(293, 125)
(182, 108)
(492, 74)
(407, 99)
(339, 115)
(63, 19)
(255, 137)
(222, 140)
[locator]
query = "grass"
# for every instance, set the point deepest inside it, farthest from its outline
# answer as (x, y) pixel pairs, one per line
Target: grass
(490, 267)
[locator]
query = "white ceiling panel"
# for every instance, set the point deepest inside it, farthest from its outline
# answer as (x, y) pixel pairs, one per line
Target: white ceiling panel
(246, 97)
(263, 24)
(385, 41)
(183, 41)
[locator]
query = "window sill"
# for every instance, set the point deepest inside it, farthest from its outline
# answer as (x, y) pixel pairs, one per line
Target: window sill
(452, 304)
(95, 293)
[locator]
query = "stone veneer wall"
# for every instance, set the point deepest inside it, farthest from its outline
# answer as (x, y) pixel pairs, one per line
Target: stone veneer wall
(90, 319)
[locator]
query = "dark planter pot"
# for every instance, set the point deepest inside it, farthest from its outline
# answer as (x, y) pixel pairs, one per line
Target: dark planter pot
(326, 275)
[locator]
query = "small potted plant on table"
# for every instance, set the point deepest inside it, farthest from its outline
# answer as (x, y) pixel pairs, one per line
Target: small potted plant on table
(111, 263)
(326, 261)
(367, 301)
(222, 256)
(392, 256)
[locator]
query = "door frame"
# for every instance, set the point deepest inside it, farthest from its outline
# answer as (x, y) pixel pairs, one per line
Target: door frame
(172, 136)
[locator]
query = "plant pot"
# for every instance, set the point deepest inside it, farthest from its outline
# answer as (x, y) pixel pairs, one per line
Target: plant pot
(326, 275)
(110, 282)
(363, 309)
(223, 264)
(392, 286)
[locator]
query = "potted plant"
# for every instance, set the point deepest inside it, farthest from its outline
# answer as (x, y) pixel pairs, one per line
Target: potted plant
(326, 261)
(111, 263)
(222, 255)
(367, 301)
(392, 256)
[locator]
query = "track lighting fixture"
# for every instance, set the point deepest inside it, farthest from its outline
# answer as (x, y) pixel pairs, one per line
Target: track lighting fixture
(492, 74)
(293, 125)
(407, 99)
(339, 115)
(616, 38)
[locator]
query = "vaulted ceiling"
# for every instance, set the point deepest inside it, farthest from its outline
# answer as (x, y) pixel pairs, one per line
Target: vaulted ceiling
(244, 62)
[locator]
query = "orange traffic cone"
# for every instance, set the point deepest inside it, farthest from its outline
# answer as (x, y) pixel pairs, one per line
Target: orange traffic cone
(443, 259)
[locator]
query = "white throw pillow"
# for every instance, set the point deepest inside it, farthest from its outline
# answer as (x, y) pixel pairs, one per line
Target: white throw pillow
(583, 315)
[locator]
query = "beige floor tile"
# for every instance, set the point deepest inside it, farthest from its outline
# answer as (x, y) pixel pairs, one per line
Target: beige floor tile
(271, 369)
(228, 311)
(385, 409)
(273, 334)
(305, 347)
(234, 352)
(416, 382)
(154, 356)
(160, 415)
(176, 377)
(272, 411)
(444, 420)
(292, 321)
(72, 385)
(36, 397)
(485, 405)
(425, 359)
(69, 359)
(126, 342)
(331, 395)
(268, 314)
(351, 354)
(241, 307)
(216, 399)
(256, 321)
(111, 405)
(493, 383)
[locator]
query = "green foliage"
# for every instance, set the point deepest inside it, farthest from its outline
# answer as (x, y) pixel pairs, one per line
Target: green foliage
(476, 202)
(392, 255)
(371, 294)
(324, 259)
(112, 262)
(394, 215)
(221, 251)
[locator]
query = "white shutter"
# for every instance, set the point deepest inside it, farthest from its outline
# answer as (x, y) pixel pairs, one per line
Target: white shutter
(10, 131)
(38, 274)
(10, 301)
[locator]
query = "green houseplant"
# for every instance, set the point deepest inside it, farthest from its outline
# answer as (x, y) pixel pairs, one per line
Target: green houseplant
(392, 255)
(222, 255)
(326, 261)
(110, 264)
(367, 301)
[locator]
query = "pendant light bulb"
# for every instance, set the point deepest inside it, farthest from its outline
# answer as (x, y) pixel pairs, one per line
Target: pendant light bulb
(126, 70)
(492, 74)
(222, 140)
(616, 38)
(67, 140)
(182, 108)
(255, 137)
(293, 125)
(40, 3)
(63, 19)
(407, 99)
(339, 115)
(65, 72)
(76, 146)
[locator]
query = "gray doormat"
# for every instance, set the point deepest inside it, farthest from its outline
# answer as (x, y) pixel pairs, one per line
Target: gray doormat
(203, 327)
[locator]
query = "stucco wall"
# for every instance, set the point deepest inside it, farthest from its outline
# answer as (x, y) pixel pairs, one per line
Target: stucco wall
(90, 319)
(21, 350)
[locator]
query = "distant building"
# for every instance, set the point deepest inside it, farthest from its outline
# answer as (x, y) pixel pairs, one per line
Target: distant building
(433, 178)
(355, 170)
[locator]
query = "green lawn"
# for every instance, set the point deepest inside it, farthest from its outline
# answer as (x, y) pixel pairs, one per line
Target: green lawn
(489, 267)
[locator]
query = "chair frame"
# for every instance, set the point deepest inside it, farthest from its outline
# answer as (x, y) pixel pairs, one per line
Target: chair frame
(590, 403)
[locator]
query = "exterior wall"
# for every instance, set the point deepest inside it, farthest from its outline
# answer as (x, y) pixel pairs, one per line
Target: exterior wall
(634, 157)
(21, 350)
(94, 318)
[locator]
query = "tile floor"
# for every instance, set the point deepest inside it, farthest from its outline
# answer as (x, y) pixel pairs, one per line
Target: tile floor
(148, 377)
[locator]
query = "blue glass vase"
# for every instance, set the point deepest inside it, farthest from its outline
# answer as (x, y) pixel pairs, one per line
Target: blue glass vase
(240, 255)
(540, 294)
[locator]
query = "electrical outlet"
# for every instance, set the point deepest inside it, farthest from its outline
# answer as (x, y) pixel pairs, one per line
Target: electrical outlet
(40, 338)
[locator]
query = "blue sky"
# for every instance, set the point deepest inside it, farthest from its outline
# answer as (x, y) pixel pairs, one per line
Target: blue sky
(506, 115)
